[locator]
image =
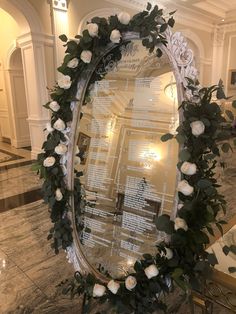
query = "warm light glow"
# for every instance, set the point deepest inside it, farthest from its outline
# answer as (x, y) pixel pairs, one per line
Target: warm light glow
(151, 156)
(130, 262)
(110, 127)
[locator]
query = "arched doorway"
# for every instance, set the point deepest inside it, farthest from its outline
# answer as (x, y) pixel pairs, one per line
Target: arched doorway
(21, 135)
(26, 77)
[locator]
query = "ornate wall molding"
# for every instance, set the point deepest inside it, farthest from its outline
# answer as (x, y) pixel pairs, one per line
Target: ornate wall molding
(219, 36)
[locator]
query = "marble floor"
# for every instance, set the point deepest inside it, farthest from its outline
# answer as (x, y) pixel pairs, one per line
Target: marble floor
(29, 269)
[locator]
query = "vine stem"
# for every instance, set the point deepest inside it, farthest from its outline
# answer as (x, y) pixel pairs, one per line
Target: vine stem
(84, 303)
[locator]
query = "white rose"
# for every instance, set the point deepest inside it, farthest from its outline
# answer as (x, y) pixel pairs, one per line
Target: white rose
(86, 56)
(49, 162)
(124, 18)
(49, 127)
(59, 125)
(180, 224)
(130, 283)
(61, 149)
(77, 160)
(73, 63)
(185, 188)
(169, 253)
(98, 290)
(197, 127)
(58, 195)
(64, 81)
(151, 271)
(113, 286)
(92, 29)
(54, 106)
(188, 168)
(115, 36)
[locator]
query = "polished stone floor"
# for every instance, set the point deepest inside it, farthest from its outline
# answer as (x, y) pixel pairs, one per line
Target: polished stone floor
(29, 269)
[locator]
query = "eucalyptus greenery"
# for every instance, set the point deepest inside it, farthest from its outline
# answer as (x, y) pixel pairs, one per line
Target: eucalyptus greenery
(189, 263)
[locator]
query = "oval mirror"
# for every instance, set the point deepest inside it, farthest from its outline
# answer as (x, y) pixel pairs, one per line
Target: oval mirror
(127, 174)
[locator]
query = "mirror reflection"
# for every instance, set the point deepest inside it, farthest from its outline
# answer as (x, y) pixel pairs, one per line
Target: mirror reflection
(129, 175)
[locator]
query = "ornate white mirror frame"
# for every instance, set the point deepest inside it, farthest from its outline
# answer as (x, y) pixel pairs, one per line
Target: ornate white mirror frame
(182, 63)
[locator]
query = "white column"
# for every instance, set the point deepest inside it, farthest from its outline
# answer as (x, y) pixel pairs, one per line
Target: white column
(217, 56)
(33, 58)
(60, 26)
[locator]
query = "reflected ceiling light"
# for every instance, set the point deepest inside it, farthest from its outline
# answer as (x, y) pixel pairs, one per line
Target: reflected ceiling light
(149, 157)
(171, 91)
(130, 262)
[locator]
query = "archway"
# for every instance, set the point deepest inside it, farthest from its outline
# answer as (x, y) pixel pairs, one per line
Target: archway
(31, 40)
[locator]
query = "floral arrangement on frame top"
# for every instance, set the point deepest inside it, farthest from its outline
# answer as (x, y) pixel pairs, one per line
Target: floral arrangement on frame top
(183, 261)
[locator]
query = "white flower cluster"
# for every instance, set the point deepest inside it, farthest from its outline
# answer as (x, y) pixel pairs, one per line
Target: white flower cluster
(130, 282)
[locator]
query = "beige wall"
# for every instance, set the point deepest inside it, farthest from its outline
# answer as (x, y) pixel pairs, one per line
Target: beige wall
(7, 42)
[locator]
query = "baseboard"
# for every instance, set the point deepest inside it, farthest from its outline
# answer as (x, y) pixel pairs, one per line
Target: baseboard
(21, 143)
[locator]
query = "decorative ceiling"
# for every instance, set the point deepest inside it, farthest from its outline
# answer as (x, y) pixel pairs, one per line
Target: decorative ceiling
(211, 12)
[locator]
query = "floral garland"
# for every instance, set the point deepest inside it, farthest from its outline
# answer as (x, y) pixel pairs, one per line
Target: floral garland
(183, 260)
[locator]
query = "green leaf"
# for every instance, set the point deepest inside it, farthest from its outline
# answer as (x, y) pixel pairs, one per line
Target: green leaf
(220, 228)
(210, 230)
(232, 270)
(178, 272)
(229, 114)
(63, 38)
(204, 183)
(171, 21)
(163, 223)
(212, 259)
(166, 137)
(234, 104)
(180, 138)
(159, 52)
(172, 12)
(206, 122)
(226, 250)
(149, 6)
(233, 249)
(184, 155)
(71, 46)
(35, 167)
(163, 27)
(226, 147)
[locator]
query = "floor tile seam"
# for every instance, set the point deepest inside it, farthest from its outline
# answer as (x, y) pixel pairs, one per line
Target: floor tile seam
(8, 257)
(25, 272)
(33, 282)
